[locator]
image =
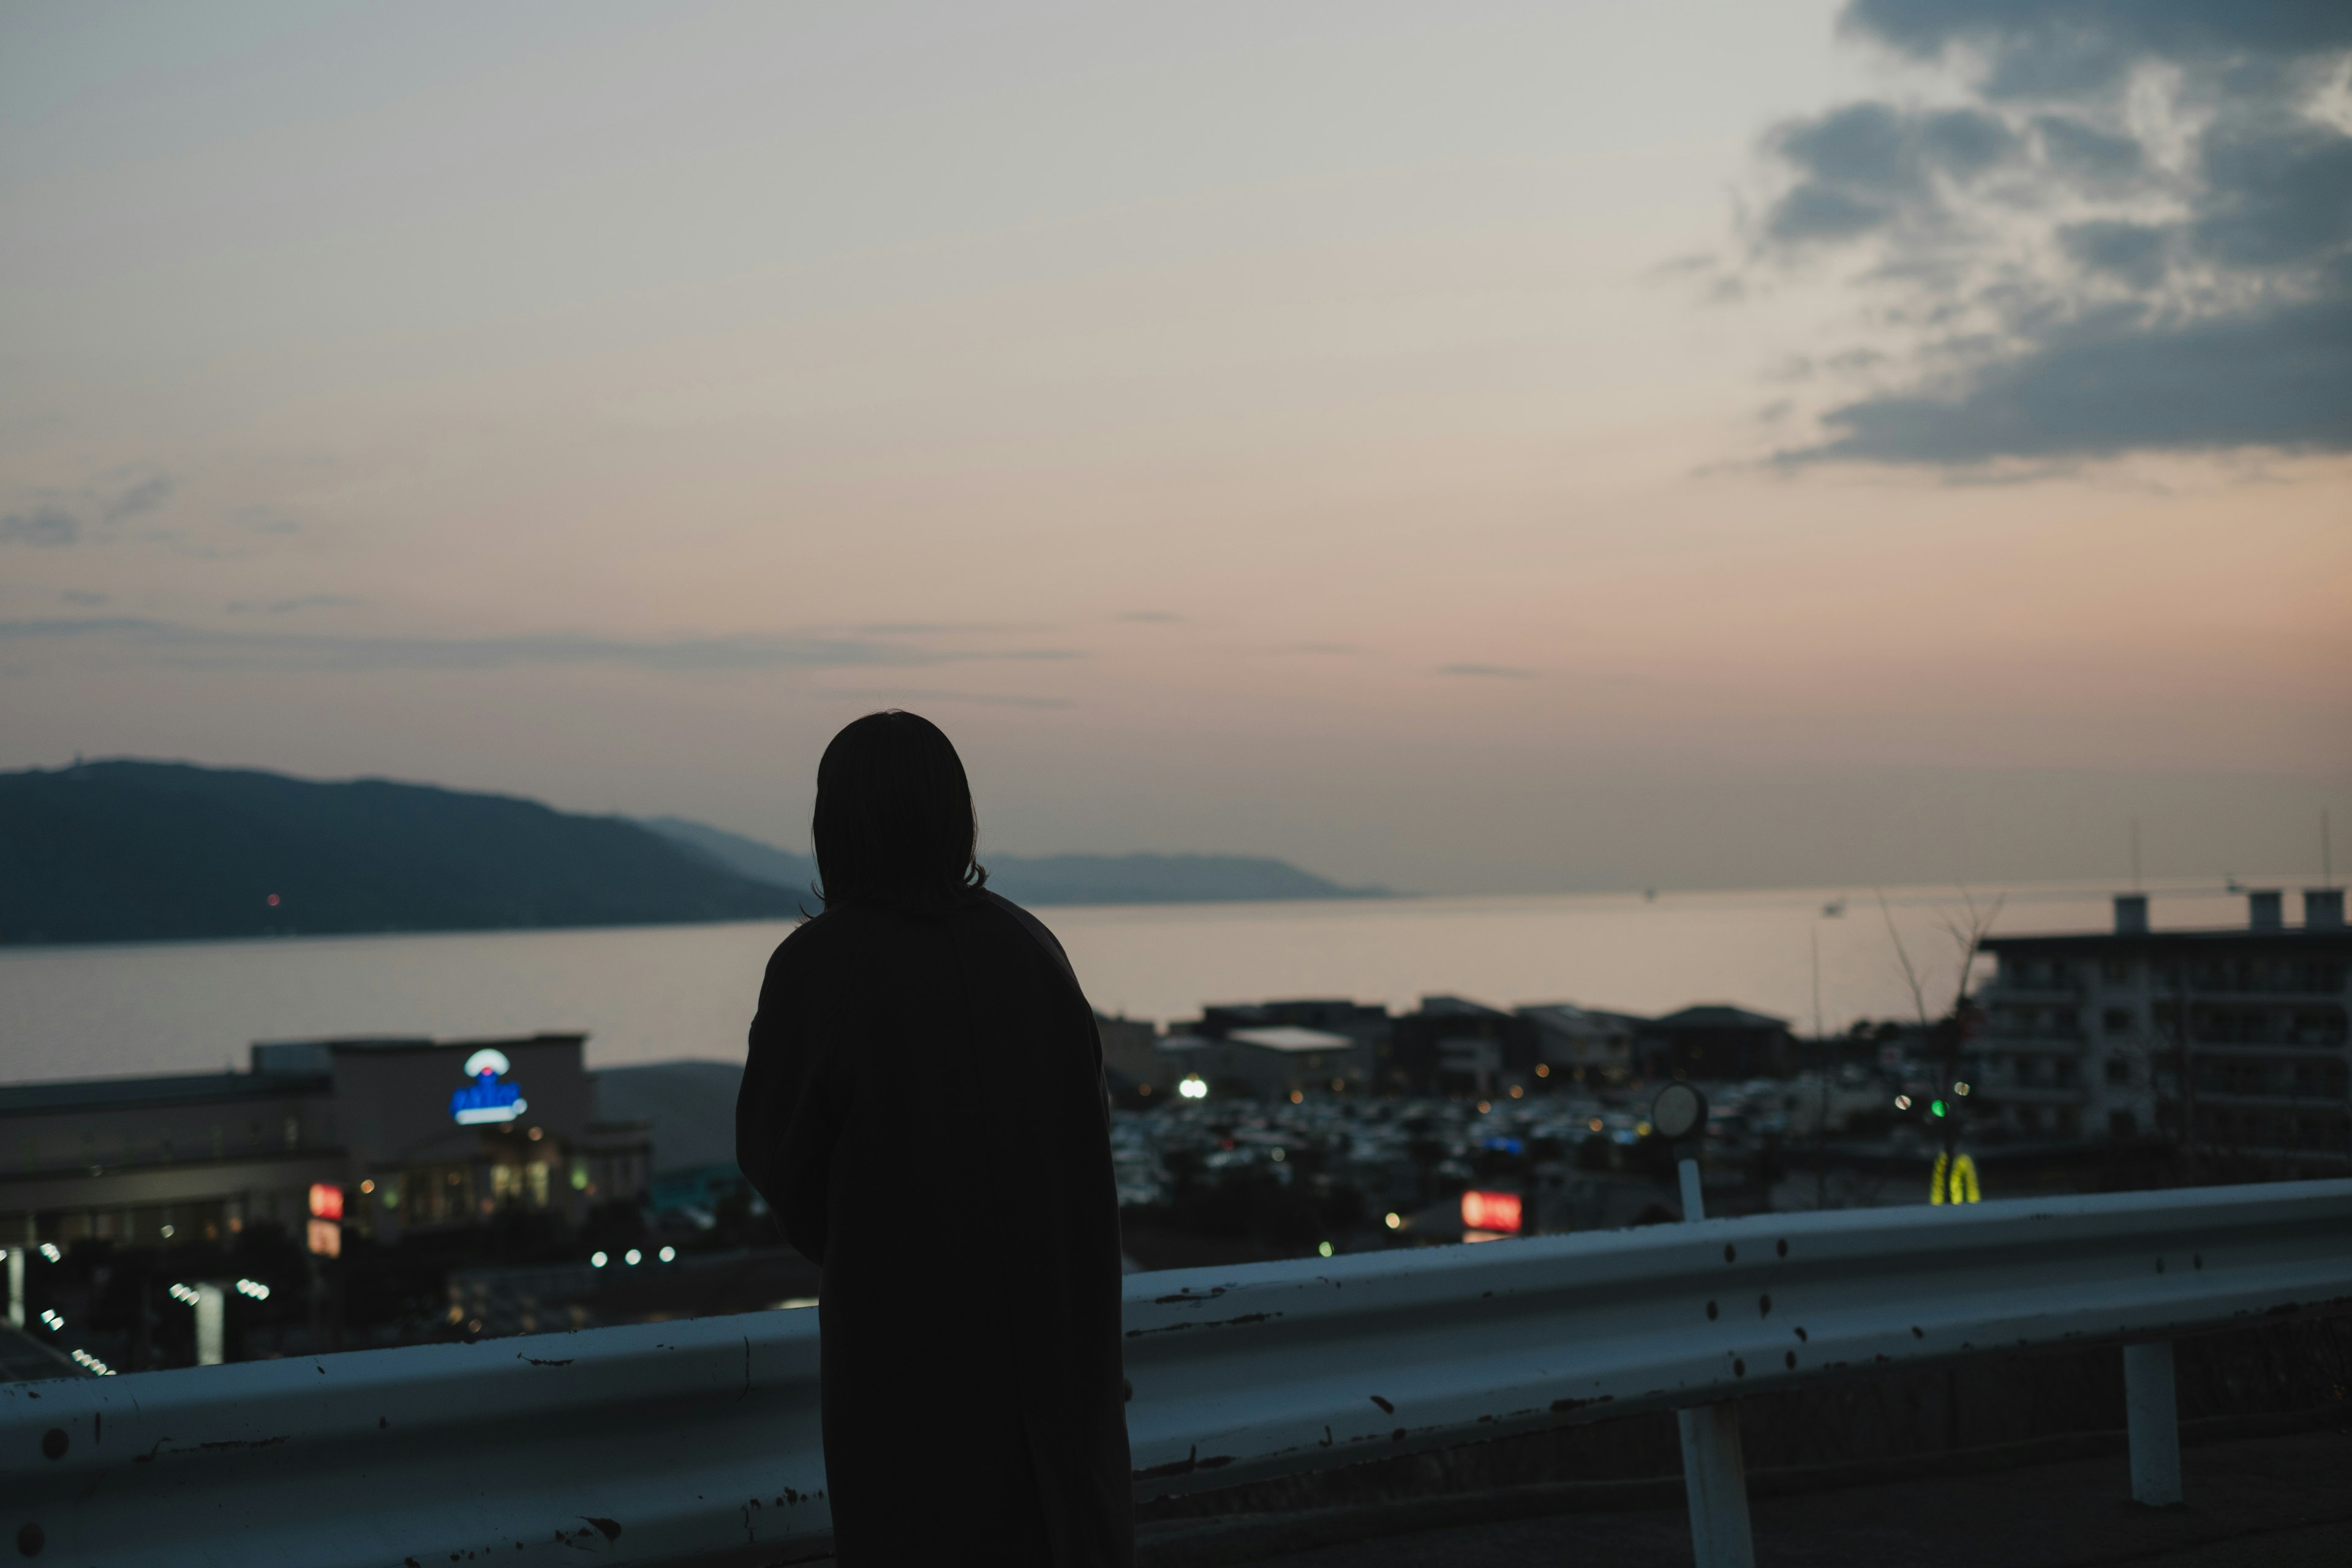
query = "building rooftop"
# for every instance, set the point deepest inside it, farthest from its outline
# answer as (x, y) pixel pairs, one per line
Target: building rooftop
(174, 1089)
(2220, 936)
(1721, 1015)
(1287, 1038)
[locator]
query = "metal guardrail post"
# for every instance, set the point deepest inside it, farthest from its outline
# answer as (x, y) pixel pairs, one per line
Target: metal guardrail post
(2152, 1420)
(1715, 1474)
(1715, 1480)
(211, 1304)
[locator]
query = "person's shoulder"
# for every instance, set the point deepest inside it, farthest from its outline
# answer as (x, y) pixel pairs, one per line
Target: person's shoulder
(1031, 929)
(809, 941)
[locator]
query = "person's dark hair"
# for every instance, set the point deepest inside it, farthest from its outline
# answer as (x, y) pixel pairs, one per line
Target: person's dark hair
(895, 823)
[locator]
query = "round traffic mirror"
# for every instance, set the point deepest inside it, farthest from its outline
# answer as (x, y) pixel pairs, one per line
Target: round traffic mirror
(1679, 1111)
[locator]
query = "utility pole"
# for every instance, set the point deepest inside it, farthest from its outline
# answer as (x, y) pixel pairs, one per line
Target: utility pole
(1822, 1071)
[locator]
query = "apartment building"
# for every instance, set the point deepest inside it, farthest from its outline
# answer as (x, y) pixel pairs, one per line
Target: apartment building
(2230, 1043)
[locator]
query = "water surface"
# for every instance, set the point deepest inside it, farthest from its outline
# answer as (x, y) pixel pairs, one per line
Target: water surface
(648, 994)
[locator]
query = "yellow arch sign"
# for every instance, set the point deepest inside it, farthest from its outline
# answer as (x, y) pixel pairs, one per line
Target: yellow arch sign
(1955, 1181)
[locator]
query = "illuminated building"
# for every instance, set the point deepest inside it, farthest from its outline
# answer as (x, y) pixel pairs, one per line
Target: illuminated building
(410, 1134)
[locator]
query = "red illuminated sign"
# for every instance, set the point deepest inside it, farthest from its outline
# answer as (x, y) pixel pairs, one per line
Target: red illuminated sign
(326, 1201)
(1496, 1212)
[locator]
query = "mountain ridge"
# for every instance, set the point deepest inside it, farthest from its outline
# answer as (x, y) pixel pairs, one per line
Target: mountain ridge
(1049, 880)
(133, 850)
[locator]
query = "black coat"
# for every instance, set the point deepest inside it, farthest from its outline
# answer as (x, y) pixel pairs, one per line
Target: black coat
(923, 1109)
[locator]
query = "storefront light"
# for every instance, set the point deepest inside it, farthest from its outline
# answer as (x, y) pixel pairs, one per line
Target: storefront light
(597, 1260)
(669, 1254)
(633, 1258)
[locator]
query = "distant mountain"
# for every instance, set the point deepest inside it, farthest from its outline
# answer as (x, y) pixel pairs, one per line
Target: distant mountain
(1158, 879)
(750, 858)
(130, 852)
(1047, 879)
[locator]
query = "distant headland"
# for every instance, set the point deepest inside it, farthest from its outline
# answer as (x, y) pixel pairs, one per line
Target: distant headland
(144, 851)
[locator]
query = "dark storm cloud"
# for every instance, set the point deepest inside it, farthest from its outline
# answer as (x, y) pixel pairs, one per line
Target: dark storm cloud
(166, 642)
(2069, 291)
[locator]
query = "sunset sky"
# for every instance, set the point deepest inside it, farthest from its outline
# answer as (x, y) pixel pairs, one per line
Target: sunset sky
(1466, 448)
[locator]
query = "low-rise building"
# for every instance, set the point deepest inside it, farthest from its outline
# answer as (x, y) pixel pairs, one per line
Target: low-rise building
(1585, 1045)
(1280, 1061)
(1130, 1052)
(1715, 1040)
(378, 1135)
(1457, 1045)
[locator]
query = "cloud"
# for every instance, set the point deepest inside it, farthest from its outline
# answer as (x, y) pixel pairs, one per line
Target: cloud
(287, 606)
(145, 495)
(40, 525)
(1487, 671)
(60, 517)
(84, 597)
(2133, 233)
(2265, 378)
(166, 642)
(969, 699)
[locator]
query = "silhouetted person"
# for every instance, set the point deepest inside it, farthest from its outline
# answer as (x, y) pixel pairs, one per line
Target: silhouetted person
(923, 1109)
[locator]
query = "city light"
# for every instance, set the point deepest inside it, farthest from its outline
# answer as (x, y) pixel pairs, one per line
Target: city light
(1485, 1106)
(1517, 1091)
(169, 1231)
(252, 1287)
(1395, 1220)
(1297, 1097)
(1902, 1102)
(1596, 1125)
(1323, 1249)
(185, 1293)
(597, 1260)
(1495, 1212)
(368, 1185)
(51, 1317)
(91, 1362)
(633, 1258)
(1934, 1107)
(1278, 1156)
(49, 1251)
(1960, 1088)
(1193, 1089)
(1543, 1069)
(669, 1254)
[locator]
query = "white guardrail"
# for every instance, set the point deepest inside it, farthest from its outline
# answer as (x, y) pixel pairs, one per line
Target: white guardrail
(697, 1442)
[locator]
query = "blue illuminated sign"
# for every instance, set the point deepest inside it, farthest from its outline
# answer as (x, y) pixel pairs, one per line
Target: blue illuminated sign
(485, 1097)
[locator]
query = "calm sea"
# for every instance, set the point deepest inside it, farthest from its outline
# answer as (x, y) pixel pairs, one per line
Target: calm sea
(650, 993)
